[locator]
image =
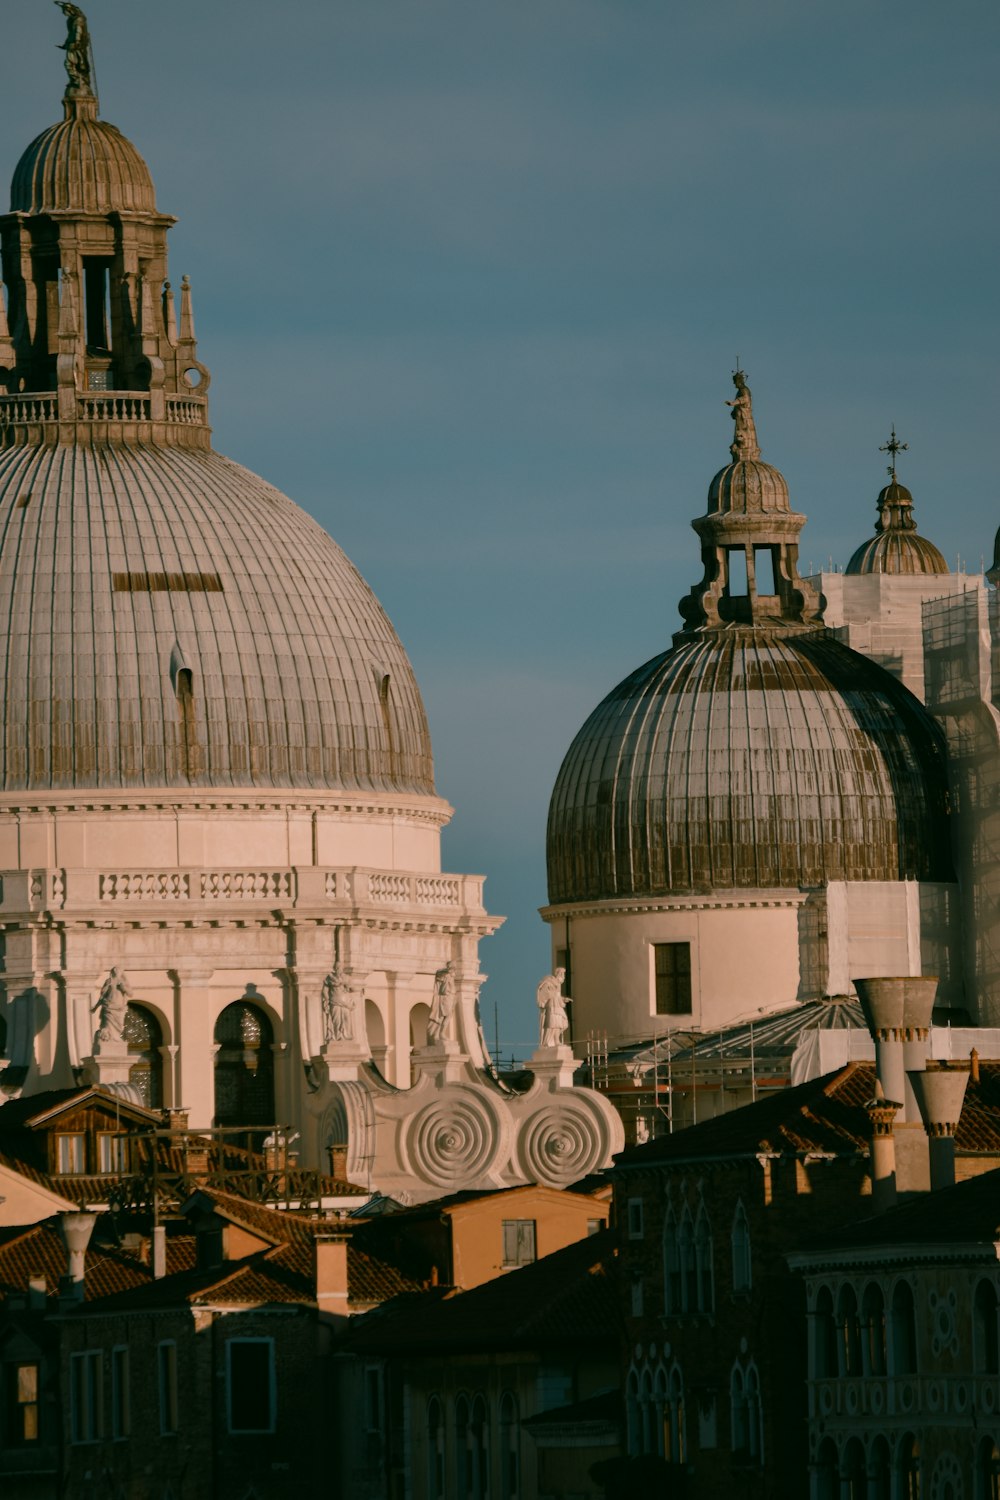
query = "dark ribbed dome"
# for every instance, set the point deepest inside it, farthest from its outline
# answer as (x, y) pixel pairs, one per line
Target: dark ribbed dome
(897, 547)
(747, 487)
(82, 164)
(749, 758)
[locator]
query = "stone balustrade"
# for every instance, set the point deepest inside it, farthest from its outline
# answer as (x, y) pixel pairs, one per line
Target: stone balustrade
(34, 417)
(307, 886)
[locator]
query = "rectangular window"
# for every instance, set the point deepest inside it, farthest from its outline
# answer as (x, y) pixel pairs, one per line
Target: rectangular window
(121, 1415)
(635, 1219)
(85, 1396)
(110, 1152)
(637, 1296)
(763, 567)
(21, 1391)
(71, 1153)
(167, 1363)
(672, 971)
(518, 1242)
(250, 1381)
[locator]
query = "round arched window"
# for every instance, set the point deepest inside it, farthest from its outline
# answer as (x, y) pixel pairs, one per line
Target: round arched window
(144, 1036)
(244, 1066)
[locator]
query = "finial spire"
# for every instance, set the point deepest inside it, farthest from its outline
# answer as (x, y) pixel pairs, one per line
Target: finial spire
(892, 447)
(744, 444)
(79, 56)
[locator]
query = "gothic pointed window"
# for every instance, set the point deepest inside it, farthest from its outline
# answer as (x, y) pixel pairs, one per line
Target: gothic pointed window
(704, 1271)
(244, 1066)
(740, 1237)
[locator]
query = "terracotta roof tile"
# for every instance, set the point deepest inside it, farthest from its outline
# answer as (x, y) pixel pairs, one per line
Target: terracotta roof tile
(825, 1114)
(566, 1298)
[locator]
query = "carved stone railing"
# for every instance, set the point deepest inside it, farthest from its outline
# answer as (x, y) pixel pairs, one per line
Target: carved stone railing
(36, 417)
(305, 886)
(113, 406)
(190, 410)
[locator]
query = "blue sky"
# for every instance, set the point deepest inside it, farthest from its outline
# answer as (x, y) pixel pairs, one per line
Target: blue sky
(471, 277)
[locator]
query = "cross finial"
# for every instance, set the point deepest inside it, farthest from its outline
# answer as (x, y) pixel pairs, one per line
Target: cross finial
(892, 447)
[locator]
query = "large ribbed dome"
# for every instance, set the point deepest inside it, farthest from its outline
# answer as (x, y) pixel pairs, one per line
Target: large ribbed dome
(749, 758)
(82, 164)
(172, 620)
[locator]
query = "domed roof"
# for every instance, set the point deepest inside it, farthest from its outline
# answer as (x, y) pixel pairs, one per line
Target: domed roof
(82, 164)
(747, 487)
(897, 547)
(172, 620)
(749, 758)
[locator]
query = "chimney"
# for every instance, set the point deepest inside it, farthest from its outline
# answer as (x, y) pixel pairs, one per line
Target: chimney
(898, 1014)
(38, 1292)
(973, 1066)
(159, 1255)
(940, 1092)
(76, 1229)
(882, 1113)
(331, 1274)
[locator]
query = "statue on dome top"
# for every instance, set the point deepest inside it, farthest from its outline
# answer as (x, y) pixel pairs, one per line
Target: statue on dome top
(744, 444)
(76, 47)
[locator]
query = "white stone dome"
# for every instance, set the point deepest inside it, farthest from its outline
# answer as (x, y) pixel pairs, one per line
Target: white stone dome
(173, 620)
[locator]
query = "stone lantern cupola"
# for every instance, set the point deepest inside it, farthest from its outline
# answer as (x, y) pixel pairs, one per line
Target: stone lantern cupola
(92, 340)
(749, 541)
(897, 547)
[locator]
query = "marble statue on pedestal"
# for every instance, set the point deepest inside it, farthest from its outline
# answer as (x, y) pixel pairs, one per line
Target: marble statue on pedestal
(552, 1017)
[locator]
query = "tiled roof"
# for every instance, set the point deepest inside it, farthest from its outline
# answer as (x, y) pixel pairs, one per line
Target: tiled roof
(38, 1250)
(277, 1225)
(824, 1115)
(966, 1214)
(35, 1107)
(567, 1298)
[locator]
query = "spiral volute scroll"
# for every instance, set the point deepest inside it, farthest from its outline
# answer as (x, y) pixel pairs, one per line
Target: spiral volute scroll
(454, 1140)
(562, 1142)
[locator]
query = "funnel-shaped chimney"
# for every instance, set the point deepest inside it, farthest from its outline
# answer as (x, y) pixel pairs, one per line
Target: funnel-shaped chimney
(939, 1093)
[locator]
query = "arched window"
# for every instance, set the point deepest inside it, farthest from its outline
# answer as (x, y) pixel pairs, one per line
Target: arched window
(674, 1435)
(685, 1250)
(479, 1434)
(661, 1413)
(904, 1331)
(738, 1415)
(987, 1470)
(435, 1450)
(647, 1407)
(671, 1264)
(633, 1414)
(755, 1414)
(145, 1038)
(879, 1471)
(849, 1330)
(873, 1330)
(824, 1337)
(704, 1273)
(740, 1238)
(908, 1467)
(463, 1449)
(510, 1448)
(827, 1472)
(419, 1015)
(984, 1329)
(244, 1066)
(853, 1472)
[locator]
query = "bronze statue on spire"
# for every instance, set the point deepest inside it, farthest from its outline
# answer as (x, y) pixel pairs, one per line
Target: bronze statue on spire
(744, 444)
(77, 48)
